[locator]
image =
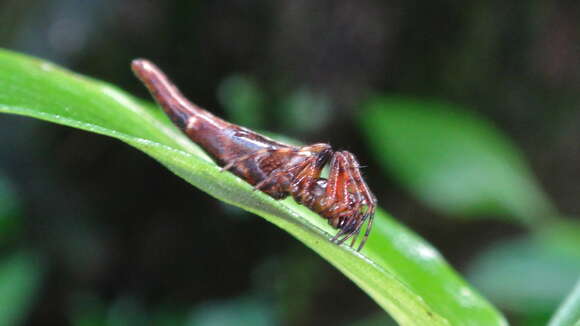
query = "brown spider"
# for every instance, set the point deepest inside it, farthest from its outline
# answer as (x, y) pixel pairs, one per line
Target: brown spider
(275, 168)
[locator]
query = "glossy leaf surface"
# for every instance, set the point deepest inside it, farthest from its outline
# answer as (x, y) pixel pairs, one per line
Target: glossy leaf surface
(400, 271)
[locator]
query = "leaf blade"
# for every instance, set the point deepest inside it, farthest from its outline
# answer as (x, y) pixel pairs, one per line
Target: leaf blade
(400, 280)
(453, 160)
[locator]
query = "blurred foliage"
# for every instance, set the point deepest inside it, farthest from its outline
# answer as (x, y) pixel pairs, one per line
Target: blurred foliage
(243, 101)
(20, 276)
(455, 161)
(129, 237)
(514, 274)
(238, 311)
(20, 271)
(304, 111)
(10, 211)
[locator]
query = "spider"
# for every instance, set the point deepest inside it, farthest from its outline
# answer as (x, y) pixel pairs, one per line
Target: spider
(279, 170)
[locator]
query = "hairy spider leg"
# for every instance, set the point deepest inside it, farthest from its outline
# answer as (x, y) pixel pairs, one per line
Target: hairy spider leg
(357, 220)
(353, 223)
(288, 168)
(336, 192)
(301, 186)
(284, 170)
(355, 186)
(370, 198)
(337, 198)
(303, 168)
(242, 158)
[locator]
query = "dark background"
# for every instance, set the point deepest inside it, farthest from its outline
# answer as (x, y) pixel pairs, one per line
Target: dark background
(123, 241)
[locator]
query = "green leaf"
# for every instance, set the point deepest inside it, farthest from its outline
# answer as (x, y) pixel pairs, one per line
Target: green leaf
(453, 160)
(401, 272)
(569, 312)
(528, 275)
(19, 280)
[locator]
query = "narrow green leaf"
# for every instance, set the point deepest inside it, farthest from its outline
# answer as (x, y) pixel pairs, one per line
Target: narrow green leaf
(569, 312)
(401, 272)
(455, 161)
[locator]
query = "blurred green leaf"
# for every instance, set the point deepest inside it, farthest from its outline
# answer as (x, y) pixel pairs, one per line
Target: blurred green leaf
(402, 273)
(304, 111)
(126, 311)
(19, 280)
(453, 160)
(569, 312)
(87, 310)
(243, 101)
(238, 311)
(293, 304)
(9, 210)
(526, 275)
(561, 236)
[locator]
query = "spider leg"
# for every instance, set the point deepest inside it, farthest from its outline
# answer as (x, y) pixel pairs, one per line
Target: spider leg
(370, 199)
(275, 174)
(307, 175)
(363, 196)
(336, 192)
(339, 196)
(331, 195)
(368, 231)
(337, 236)
(245, 157)
(356, 219)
